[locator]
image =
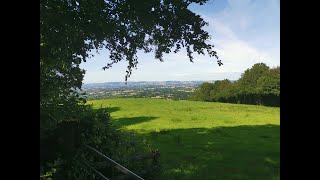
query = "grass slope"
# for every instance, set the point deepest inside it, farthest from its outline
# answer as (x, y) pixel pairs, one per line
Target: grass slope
(204, 140)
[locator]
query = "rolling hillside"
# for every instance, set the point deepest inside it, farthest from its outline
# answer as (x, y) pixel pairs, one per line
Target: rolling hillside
(204, 140)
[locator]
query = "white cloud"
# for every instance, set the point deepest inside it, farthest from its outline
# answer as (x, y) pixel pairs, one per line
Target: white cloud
(244, 33)
(236, 50)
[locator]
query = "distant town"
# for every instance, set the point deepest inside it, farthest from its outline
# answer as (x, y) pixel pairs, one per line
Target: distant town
(172, 90)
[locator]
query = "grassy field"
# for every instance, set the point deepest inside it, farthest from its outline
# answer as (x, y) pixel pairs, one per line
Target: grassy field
(204, 140)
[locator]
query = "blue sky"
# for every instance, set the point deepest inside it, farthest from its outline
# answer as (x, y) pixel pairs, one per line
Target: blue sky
(244, 32)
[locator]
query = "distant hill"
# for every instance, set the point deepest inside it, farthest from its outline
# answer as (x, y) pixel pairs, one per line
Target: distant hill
(143, 83)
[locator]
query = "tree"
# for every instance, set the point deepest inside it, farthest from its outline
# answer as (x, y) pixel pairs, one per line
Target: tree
(223, 91)
(269, 83)
(257, 85)
(248, 80)
(268, 86)
(248, 83)
(71, 29)
(203, 93)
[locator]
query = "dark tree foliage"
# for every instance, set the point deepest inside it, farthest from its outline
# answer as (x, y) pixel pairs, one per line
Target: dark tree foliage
(203, 93)
(268, 86)
(257, 85)
(248, 93)
(71, 29)
(224, 91)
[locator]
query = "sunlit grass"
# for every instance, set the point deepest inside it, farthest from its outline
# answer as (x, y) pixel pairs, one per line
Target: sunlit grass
(204, 140)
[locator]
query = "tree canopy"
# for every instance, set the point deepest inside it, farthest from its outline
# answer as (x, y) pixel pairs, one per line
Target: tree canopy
(71, 29)
(257, 85)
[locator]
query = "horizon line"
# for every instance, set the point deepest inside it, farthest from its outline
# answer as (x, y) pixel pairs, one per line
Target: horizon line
(153, 81)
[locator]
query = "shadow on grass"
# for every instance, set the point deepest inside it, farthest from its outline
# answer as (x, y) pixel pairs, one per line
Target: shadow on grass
(132, 120)
(222, 153)
(108, 109)
(112, 109)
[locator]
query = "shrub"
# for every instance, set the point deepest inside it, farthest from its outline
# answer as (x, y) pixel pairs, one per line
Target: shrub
(64, 156)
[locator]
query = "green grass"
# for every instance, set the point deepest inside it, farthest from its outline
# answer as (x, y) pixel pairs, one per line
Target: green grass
(204, 140)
